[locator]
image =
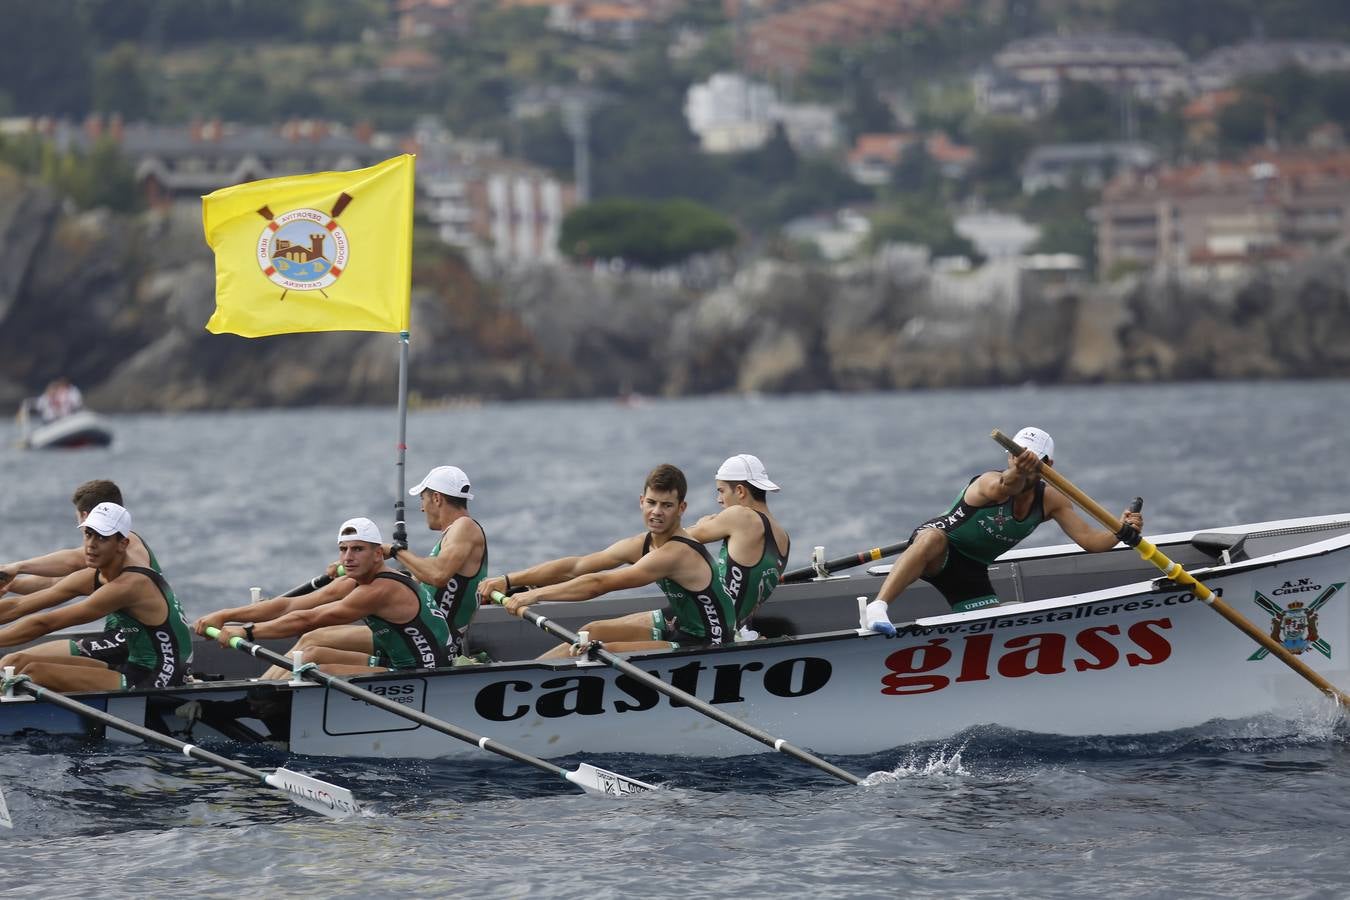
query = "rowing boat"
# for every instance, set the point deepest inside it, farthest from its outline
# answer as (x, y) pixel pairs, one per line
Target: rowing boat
(1082, 644)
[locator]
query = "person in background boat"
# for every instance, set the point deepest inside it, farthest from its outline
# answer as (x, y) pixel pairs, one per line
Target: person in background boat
(994, 513)
(38, 573)
(151, 646)
(701, 612)
(60, 399)
(450, 575)
(405, 627)
(748, 532)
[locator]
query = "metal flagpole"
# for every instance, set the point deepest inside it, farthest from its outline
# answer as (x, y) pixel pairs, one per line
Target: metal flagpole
(400, 522)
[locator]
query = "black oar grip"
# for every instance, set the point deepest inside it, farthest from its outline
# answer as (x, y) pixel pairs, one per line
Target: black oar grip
(1128, 534)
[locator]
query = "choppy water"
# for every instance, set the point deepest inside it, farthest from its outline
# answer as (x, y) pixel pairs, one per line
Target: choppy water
(233, 500)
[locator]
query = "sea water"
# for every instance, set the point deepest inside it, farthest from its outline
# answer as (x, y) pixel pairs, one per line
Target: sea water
(233, 500)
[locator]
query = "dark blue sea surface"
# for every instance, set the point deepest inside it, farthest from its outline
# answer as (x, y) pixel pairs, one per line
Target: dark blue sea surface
(231, 500)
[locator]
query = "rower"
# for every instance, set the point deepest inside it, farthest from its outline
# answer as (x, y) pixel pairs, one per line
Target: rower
(406, 629)
(701, 612)
(748, 531)
(147, 645)
(450, 574)
(991, 515)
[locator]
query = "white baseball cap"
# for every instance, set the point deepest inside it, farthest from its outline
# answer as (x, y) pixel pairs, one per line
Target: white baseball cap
(448, 480)
(108, 519)
(360, 529)
(744, 467)
(1036, 440)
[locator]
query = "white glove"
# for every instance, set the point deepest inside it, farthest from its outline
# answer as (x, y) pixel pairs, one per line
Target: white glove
(746, 633)
(879, 619)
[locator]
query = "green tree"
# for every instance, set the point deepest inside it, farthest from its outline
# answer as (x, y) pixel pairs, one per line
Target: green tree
(1069, 235)
(1001, 146)
(122, 83)
(913, 221)
(45, 52)
(648, 233)
(1085, 112)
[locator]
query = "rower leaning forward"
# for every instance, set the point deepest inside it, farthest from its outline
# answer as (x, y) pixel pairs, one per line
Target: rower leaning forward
(407, 629)
(147, 643)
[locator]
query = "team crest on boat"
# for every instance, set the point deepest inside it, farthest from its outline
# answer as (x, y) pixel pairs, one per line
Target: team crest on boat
(1295, 626)
(304, 249)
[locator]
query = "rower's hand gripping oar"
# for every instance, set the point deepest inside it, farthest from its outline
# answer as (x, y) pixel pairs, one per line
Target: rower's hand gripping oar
(838, 564)
(684, 697)
(591, 779)
(1174, 572)
(302, 790)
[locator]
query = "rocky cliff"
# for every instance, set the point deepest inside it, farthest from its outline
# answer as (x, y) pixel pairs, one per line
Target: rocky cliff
(120, 304)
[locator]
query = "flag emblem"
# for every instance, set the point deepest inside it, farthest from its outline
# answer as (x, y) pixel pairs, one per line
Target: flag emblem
(304, 249)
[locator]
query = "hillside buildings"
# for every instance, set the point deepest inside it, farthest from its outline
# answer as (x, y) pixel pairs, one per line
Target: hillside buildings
(1217, 219)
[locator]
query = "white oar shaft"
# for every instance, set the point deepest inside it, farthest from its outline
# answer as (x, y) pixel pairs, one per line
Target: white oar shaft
(688, 699)
(327, 799)
(608, 784)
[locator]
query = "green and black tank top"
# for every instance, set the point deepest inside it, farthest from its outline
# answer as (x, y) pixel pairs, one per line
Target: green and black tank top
(458, 598)
(422, 642)
(709, 613)
(108, 623)
(749, 586)
(165, 648)
(983, 533)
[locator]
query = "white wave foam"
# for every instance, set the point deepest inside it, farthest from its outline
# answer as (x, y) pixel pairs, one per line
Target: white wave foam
(938, 761)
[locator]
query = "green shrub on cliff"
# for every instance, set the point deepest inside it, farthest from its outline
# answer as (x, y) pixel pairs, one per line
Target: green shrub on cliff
(99, 178)
(650, 233)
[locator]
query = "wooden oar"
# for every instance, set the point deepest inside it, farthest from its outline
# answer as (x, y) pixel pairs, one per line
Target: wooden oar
(589, 778)
(302, 790)
(838, 564)
(685, 697)
(1174, 572)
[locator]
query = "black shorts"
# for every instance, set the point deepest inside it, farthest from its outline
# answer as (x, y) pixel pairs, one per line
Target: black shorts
(109, 648)
(136, 677)
(961, 579)
(665, 628)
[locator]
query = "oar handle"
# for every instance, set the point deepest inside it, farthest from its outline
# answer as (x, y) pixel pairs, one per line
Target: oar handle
(685, 697)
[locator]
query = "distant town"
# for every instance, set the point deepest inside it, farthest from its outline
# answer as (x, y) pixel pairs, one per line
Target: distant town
(1192, 173)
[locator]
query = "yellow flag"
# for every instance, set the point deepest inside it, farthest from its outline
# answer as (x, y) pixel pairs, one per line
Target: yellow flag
(330, 251)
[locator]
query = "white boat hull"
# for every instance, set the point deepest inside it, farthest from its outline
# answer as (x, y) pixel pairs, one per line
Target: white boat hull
(79, 429)
(1136, 658)
(1139, 661)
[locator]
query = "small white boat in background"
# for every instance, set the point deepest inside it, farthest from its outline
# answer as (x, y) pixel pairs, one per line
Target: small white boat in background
(79, 429)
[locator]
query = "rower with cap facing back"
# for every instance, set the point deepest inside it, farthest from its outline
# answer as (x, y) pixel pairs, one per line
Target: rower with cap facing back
(991, 515)
(754, 546)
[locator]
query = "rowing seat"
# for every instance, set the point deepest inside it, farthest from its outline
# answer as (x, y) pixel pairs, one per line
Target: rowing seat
(1226, 548)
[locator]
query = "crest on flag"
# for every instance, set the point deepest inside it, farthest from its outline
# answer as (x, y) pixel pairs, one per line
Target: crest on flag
(304, 249)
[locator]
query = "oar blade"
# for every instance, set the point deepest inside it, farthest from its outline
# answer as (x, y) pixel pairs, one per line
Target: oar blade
(5, 820)
(315, 795)
(605, 783)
